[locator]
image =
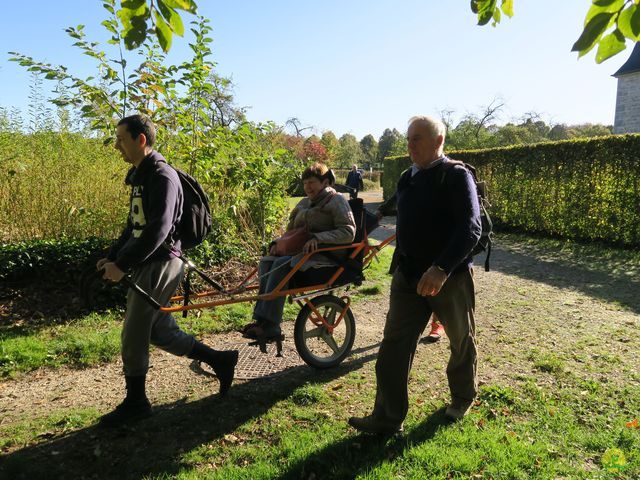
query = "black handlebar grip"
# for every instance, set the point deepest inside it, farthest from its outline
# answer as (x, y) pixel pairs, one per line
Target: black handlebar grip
(136, 288)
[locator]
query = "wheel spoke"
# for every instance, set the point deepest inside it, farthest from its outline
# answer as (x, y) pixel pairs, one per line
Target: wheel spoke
(331, 318)
(314, 332)
(329, 340)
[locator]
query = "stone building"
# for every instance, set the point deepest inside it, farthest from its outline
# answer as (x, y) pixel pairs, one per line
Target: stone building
(627, 118)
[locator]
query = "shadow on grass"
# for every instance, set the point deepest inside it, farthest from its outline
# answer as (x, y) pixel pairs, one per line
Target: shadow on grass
(359, 454)
(155, 446)
(613, 276)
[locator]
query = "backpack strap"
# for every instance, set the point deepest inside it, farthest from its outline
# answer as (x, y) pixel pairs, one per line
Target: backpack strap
(486, 259)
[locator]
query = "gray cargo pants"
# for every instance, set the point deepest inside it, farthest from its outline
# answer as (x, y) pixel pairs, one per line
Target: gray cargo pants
(406, 320)
(144, 325)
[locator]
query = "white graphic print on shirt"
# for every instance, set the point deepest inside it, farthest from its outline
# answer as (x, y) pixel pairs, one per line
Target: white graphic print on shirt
(136, 213)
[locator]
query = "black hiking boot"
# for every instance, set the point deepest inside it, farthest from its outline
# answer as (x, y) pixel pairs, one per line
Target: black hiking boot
(134, 407)
(222, 363)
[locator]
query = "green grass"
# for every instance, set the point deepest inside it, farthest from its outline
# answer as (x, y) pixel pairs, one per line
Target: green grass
(95, 339)
(518, 432)
(55, 424)
(509, 434)
(553, 406)
(87, 341)
(547, 362)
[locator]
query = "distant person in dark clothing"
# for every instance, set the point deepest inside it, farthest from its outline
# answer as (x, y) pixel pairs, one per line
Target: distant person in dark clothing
(155, 210)
(438, 225)
(354, 181)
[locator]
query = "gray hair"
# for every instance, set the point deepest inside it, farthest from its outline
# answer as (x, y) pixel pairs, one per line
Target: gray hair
(434, 126)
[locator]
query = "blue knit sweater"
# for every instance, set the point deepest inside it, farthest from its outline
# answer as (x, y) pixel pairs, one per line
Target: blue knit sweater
(438, 219)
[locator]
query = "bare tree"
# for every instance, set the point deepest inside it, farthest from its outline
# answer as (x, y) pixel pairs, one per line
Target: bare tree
(296, 124)
(489, 113)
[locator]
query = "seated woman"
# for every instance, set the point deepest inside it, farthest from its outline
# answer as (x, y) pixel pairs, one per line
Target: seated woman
(329, 221)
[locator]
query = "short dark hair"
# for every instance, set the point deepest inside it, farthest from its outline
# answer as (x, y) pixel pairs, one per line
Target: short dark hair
(137, 124)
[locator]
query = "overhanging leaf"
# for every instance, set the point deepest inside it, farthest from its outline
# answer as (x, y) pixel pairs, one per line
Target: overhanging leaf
(592, 32)
(163, 32)
(175, 22)
(594, 10)
(496, 17)
(187, 5)
(507, 8)
(610, 45)
(629, 23)
(485, 11)
(136, 33)
(604, 3)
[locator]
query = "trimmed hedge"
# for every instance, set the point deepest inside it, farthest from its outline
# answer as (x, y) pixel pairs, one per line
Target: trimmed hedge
(23, 261)
(580, 189)
(41, 258)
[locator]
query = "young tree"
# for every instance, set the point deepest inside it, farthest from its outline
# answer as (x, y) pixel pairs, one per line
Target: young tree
(349, 151)
(392, 142)
(330, 142)
(369, 147)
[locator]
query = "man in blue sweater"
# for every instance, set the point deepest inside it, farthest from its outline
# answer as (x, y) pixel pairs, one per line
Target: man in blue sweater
(155, 210)
(438, 224)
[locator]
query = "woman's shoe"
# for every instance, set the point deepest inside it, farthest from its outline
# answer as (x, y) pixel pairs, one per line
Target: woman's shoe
(263, 334)
(248, 327)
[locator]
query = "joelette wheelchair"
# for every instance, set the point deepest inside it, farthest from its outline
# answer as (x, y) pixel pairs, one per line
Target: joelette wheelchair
(325, 326)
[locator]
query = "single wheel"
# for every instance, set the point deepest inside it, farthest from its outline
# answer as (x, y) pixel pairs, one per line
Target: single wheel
(316, 345)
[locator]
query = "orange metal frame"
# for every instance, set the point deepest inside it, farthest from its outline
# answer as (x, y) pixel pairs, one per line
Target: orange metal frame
(242, 292)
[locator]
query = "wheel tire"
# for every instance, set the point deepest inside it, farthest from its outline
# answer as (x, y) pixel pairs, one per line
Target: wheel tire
(316, 346)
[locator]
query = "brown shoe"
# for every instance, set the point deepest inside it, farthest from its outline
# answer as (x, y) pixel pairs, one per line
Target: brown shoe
(370, 424)
(457, 410)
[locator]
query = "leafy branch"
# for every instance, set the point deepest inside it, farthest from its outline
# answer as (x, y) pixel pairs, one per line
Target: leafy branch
(608, 24)
(163, 14)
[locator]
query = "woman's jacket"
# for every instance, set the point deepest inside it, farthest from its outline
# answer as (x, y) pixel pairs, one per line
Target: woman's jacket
(329, 220)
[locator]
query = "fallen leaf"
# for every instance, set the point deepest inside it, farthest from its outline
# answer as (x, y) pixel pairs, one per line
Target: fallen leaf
(231, 438)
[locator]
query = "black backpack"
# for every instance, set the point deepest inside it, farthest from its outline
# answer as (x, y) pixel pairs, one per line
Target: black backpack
(195, 222)
(485, 242)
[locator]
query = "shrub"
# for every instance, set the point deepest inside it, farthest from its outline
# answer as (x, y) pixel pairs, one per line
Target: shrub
(41, 258)
(59, 185)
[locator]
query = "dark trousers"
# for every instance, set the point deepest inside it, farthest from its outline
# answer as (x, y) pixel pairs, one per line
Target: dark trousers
(406, 320)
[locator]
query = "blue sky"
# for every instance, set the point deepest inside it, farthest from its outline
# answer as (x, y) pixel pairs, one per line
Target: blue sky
(358, 66)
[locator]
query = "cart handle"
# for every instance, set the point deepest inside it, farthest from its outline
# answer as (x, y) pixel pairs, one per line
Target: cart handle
(138, 289)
